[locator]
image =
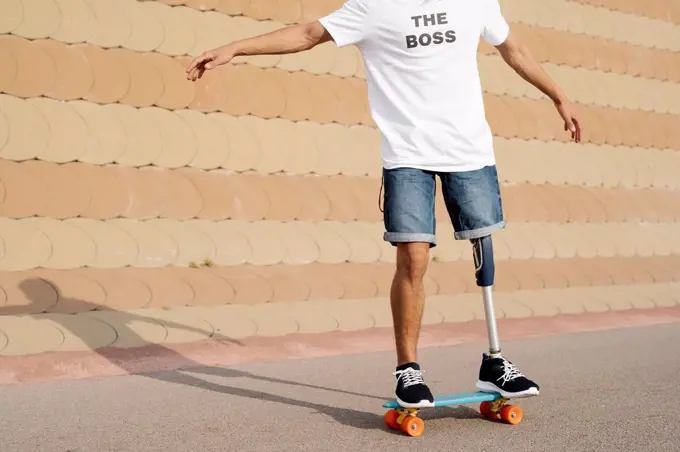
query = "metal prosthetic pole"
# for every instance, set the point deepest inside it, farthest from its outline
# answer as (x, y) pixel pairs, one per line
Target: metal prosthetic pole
(485, 272)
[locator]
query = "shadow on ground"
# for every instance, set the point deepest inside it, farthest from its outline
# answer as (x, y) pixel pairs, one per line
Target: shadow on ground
(186, 367)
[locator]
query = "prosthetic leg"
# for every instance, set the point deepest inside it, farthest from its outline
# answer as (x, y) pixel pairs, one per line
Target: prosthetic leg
(493, 404)
(485, 272)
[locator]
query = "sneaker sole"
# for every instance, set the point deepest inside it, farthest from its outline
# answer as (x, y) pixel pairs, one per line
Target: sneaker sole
(485, 386)
(421, 404)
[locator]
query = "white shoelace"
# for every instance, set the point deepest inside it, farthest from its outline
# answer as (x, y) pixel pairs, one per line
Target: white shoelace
(510, 372)
(410, 377)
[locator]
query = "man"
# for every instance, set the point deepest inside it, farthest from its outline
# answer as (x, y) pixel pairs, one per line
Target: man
(426, 100)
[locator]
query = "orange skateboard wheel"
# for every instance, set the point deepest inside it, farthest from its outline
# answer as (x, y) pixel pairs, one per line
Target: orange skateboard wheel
(391, 419)
(412, 426)
(512, 414)
(485, 409)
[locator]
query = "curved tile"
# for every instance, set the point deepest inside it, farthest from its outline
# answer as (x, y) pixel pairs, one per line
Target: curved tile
(115, 248)
(156, 247)
(146, 82)
(331, 141)
(111, 81)
(146, 28)
(124, 290)
(323, 99)
(28, 335)
(234, 101)
(287, 286)
(367, 192)
(349, 99)
(179, 26)
(193, 245)
(68, 131)
(180, 327)
(78, 21)
(80, 334)
(26, 246)
(285, 196)
(363, 249)
(12, 16)
(107, 138)
(267, 245)
(76, 292)
(249, 287)
(178, 142)
(108, 199)
(144, 190)
(24, 189)
(274, 138)
(321, 280)
(182, 198)
(166, 291)
(178, 92)
(143, 136)
(10, 68)
(132, 330)
(210, 289)
(358, 282)
(451, 277)
(542, 247)
(212, 145)
(27, 293)
(228, 322)
(301, 248)
(214, 188)
(35, 70)
(66, 194)
(74, 77)
(231, 245)
(40, 19)
(314, 205)
(333, 248)
(113, 23)
(271, 99)
(251, 201)
(343, 203)
(298, 96)
(244, 148)
(304, 159)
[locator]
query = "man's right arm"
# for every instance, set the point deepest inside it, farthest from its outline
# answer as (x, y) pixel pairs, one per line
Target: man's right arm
(292, 39)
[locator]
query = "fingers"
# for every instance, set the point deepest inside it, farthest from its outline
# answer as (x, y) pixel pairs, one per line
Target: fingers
(198, 66)
(577, 133)
(572, 125)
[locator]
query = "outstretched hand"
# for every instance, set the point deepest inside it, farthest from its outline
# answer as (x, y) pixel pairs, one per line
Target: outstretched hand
(207, 61)
(571, 122)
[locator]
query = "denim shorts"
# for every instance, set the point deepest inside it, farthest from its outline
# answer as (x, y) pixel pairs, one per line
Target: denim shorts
(472, 198)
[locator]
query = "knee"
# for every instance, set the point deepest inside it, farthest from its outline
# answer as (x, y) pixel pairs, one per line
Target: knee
(412, 260)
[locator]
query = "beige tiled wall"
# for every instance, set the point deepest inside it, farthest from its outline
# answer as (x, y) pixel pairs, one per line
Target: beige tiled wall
(118, 176)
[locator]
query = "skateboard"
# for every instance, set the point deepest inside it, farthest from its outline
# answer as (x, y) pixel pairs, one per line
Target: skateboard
(492, 406)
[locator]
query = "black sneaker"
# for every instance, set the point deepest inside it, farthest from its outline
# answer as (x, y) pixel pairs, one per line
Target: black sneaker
(501, 376)
(412, 392)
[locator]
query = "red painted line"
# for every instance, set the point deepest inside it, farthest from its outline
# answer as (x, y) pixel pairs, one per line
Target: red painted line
(151, 358)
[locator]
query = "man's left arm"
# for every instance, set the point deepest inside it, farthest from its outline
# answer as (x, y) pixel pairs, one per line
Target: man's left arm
(517, 56)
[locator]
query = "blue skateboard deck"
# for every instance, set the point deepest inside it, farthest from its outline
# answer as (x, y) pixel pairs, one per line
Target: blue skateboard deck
(461, 398)
(492, 406)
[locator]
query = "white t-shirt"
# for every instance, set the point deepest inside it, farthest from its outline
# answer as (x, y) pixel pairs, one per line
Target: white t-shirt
(424, 90)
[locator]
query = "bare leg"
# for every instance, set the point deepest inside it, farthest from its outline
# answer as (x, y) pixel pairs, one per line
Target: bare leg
(408, 298)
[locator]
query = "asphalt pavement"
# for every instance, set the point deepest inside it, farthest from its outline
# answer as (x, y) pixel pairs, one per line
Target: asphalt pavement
(602, 391)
